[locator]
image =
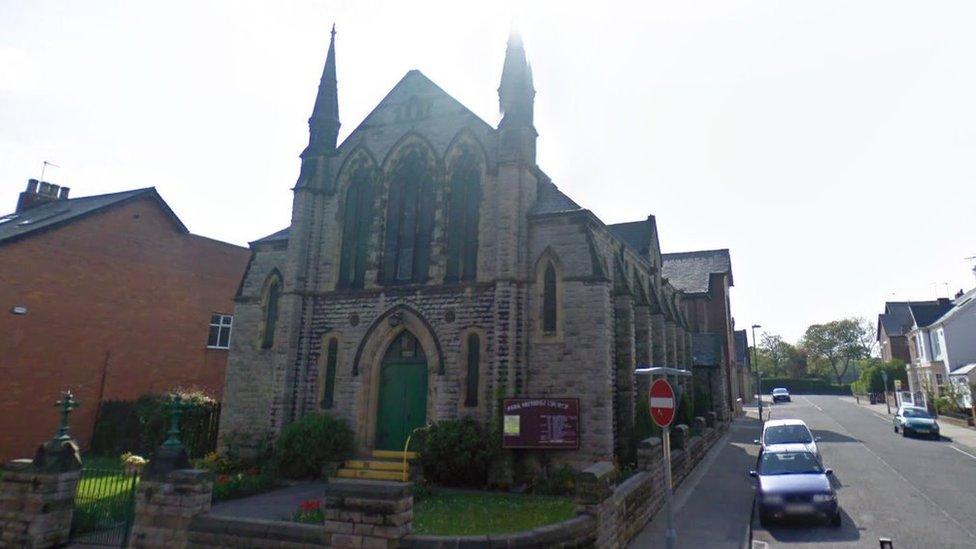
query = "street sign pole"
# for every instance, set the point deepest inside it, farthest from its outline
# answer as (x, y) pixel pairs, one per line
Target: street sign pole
(884, 378)
(662, 404)
(670, 536)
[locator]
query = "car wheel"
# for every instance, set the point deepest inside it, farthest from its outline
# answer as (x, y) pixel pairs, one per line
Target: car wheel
(835, 520)
(764, 519)
(904, 432)
(936, 437)
(896, 428)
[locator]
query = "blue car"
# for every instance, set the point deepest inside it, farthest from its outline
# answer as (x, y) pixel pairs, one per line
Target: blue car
(791, 483)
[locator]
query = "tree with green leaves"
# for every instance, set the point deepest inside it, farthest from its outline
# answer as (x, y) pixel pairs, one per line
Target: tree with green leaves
(839, 344)
(779, 358)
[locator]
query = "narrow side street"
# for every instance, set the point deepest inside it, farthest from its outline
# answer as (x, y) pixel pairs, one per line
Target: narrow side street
(919, 493)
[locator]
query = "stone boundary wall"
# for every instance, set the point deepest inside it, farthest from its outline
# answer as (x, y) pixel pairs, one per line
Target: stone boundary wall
(214, 531)
(575, 532)
(166, 506)
(621, 511)
(35, 506)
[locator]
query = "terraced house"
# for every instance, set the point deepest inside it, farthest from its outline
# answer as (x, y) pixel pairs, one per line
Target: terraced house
(432, 267)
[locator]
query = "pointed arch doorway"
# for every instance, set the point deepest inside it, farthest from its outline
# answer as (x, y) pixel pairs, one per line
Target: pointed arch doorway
(402, 392)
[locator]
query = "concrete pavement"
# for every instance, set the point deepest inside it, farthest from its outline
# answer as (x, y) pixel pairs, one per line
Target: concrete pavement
(713, 505)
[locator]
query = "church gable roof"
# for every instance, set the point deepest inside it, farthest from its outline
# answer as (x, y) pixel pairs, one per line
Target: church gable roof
(415, 98)
(551, 200)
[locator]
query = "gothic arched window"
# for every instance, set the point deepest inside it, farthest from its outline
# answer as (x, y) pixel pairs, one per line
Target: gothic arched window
(357, 221)
(549, 300)
(474, 370)
(409, 220)
(271, 300)
(328, 374)
(462, 235)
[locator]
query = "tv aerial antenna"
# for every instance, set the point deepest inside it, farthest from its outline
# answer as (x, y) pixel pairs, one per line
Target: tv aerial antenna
(44, 167)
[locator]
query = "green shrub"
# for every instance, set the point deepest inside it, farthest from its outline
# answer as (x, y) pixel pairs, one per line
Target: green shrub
(944, 404)
(458, 452)
(311, 442)
(556, 482)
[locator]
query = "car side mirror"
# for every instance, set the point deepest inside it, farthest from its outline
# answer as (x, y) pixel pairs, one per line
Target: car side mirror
(753, 474)
(755, 441)
(829, 472)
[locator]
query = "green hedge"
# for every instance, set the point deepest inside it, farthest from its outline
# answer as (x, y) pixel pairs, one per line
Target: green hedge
(139, 426)
(809, 386)
(308, 444)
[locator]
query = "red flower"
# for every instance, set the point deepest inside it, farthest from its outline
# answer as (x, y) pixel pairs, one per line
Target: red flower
(223, 479)
(310, 505)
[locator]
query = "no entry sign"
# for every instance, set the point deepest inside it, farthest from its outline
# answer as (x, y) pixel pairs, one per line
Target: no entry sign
(661, 401)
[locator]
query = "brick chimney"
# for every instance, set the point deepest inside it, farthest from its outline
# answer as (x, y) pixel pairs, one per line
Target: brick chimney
(39, 193)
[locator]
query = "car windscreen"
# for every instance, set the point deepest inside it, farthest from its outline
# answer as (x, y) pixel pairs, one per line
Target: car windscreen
(788, 463)
(915, 412)
(786, 434)
(780, 391)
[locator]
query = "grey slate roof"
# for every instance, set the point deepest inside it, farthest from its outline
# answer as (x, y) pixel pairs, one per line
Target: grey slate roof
(551, 200)
(925, 313)
(636, 234)
(690, 272)
(706, 349)
(958, 305)
(60, 212)
(280, 236)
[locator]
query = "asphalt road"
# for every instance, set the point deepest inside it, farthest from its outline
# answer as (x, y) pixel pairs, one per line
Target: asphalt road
(920, 493)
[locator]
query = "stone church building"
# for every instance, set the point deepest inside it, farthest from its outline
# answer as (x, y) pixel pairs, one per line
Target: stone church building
(432, 268)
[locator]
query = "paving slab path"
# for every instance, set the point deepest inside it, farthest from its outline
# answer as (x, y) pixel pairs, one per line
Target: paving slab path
(713, 506)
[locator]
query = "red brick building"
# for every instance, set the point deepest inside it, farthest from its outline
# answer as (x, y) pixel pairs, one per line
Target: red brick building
(109, 296)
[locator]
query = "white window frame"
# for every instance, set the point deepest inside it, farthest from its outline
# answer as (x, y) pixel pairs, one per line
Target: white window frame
(223, 321)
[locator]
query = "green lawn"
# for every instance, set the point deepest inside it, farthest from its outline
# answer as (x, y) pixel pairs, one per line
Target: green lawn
(471, 513)
(104, 495)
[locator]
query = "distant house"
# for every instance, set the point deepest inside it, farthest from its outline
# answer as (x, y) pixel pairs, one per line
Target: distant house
(704, 279)
(109, 296)
(942, 337)
(893, 325)
(963, 378)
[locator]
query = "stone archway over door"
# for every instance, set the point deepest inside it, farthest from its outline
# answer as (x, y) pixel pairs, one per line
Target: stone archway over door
(402, 392)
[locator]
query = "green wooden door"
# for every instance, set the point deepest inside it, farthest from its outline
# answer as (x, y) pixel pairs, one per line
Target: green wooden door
(402, 403)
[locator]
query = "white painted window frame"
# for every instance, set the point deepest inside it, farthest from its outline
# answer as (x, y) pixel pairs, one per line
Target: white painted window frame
(221, 325)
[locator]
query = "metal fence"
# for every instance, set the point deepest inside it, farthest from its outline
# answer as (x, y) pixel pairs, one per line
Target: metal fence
(104, 507)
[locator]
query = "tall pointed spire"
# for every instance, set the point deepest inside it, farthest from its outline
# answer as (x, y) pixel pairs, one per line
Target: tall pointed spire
(516, 94)
(323, 126)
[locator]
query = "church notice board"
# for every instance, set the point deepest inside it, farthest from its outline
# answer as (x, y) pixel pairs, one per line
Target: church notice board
(542, 423)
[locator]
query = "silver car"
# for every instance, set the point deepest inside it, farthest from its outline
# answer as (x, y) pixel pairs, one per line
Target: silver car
(778, 433)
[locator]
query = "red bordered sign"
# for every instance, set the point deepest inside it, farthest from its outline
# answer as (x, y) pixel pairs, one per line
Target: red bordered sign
(661, 401)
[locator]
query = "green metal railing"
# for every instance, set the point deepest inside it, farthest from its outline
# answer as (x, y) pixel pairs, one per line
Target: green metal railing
(104, 507)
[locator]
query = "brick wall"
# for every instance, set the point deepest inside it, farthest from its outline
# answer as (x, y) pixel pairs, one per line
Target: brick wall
(118, 304)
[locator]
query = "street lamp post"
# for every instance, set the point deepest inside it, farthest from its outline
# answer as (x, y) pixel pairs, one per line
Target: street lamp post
(755, 362)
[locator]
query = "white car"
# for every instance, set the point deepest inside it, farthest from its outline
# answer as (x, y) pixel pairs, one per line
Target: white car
(785, 434)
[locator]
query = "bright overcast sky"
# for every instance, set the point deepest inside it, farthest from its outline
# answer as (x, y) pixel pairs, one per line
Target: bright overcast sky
(831, 145)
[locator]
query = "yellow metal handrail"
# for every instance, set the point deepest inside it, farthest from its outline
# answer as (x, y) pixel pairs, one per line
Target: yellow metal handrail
(406, 471)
